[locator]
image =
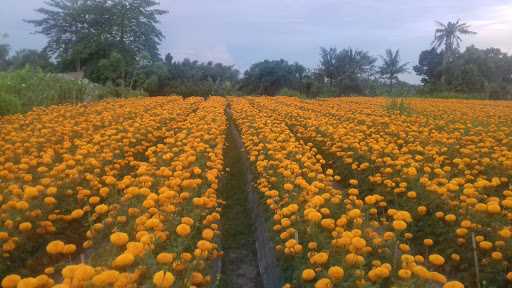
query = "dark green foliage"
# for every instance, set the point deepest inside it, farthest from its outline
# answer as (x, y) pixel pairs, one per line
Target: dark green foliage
(347, 71)
(480, 71)
(429, 66)
(269, 77)
(187, 78)
(343, 72)
(190, 78)
(110, 70)
(476, 73)
(154, 79)
(95, 34)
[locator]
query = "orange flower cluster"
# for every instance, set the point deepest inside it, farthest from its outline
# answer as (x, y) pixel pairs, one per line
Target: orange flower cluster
(118, 193)
(409, 199)
(123, 193)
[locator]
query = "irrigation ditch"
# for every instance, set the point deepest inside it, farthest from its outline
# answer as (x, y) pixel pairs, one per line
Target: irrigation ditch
(249, 257)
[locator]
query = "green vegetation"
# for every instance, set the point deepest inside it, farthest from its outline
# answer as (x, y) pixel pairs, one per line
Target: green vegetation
(90, 36)
(188, 78)
(344, 72)
(347, 72)
(269, 77)
(474, 73)
(9, 105)
(21, 90)
(392, 67)
(115, 44)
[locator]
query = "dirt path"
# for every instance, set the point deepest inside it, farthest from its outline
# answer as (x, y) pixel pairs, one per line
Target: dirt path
(240, 262)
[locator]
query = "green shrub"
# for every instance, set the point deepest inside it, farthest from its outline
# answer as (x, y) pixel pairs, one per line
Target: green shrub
(9, 105)
(442, 92)
(500, 92)
(35, 88)
(31, 88)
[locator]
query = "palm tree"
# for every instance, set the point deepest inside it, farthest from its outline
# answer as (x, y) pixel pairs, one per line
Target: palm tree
(391, 67)
(450, 35)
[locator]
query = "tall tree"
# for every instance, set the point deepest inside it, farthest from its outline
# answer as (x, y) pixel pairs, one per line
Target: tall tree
(352, 67)
(392, 67)
(449, 34)
(66, 25)
(328, 64)
(135, 26)
(86, 32)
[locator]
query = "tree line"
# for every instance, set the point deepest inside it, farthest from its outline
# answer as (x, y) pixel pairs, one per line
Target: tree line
(116, 42)
(474, 72)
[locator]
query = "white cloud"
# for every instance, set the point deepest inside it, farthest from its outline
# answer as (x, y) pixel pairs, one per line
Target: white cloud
(217, 53)
(494, 27)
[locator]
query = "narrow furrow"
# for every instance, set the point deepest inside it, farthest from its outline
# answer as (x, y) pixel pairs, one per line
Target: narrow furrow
(240, 262)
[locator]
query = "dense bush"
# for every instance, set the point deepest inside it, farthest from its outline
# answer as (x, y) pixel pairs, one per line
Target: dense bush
(9, 105)
(441, 92)
(472, 73)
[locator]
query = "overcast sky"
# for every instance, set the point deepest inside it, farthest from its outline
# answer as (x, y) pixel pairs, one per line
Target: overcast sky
(241, 32)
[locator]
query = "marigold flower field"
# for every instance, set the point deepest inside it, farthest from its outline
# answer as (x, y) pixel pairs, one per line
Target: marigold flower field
(125, 193)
